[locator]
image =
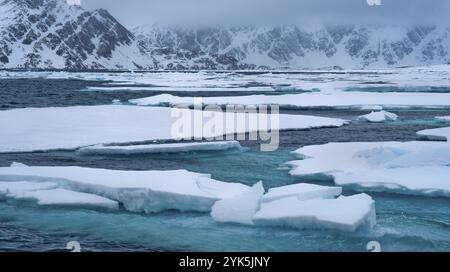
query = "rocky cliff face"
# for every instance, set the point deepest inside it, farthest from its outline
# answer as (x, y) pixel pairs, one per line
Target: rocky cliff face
(52, 34)
(296, 47)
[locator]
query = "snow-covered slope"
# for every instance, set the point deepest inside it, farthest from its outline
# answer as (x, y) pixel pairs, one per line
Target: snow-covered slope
(53, 34)
(350, 47)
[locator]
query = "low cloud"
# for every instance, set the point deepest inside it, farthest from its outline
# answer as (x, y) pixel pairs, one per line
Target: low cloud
(273, 12)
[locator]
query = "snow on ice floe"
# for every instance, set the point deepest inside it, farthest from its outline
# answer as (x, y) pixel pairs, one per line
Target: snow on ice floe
(345, 213)
(18, 188)
(341, 100)
(158, 148)
(138, 191)
(302, 191)
(156, 191)
(47, 193)
(379, 116)
(420, 168)
(414, 79)
(443, 118)
(183, 89)
(440, 134)
(42, 129)
(299, 206)
(240, 208)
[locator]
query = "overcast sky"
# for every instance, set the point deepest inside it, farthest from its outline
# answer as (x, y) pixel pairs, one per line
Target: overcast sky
(269, 12)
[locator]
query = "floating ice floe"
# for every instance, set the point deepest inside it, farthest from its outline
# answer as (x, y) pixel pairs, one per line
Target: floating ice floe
(158, 148)
(182, 89)
(138, 191)
(343, 213)
(43, 129)
(443, 118)
(47, 193)
(240, 208)
(421, 168)
(302, 191)
(342, 100)
(440, 134)
(378, 116)
(298, 206)
(18, 188)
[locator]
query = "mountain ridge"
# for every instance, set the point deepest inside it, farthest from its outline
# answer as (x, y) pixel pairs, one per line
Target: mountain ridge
(50, 34)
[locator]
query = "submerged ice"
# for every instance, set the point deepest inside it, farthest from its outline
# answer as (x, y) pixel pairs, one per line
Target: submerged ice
(138, 191)
(158, 148)
(157, 191)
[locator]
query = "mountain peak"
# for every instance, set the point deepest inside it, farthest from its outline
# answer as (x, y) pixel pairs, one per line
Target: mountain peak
(53, 34)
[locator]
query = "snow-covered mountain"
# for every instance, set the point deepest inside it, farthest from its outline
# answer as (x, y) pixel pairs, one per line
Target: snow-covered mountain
(296, 47)
(53, 34)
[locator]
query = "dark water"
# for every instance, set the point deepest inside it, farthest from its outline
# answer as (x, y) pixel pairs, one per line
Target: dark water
(404, 223)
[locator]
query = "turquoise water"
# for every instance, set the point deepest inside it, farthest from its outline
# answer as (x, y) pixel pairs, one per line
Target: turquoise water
(404, 223)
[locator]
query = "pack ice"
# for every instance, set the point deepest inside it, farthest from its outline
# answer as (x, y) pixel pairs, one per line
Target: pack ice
(378, 116)
(443, 118)
(42, 129)
(421, 168)
(158, 148)
(138, 191)
(440, 134)
(47, 193)
(358, 100)
(298, 206)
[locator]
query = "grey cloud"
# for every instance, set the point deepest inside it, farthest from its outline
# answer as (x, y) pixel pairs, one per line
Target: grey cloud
(270, 12)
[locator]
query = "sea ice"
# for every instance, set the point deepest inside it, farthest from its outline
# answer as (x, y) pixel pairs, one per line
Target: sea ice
(344, 213)
(302, 191)
(158, 148)
(43, 129)
(18, 188)
(401, 167)
(379, 116)
(441, 134)
(240, 208)
(359, 100)
(443, 118)
(63, 197)
(138, 191)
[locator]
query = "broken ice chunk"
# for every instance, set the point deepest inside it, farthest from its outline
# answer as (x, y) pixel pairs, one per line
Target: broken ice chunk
(240, 208)
(302, 191)
(344, 213)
